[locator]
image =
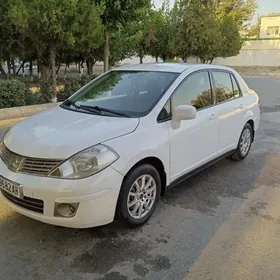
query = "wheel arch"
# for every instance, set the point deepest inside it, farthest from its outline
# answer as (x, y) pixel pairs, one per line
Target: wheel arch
(158, 164)
(252, 124)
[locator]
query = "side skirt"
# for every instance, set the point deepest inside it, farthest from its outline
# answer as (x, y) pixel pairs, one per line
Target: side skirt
(198, 169)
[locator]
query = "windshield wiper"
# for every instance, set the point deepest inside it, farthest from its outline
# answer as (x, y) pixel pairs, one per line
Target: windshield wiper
(99, 110)
(69, 102)
(84, 107)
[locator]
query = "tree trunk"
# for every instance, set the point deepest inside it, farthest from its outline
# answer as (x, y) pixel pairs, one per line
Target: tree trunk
(65, 71)
(90, 64)
(31, 68)
(9, 67)
(81, 69)
(2, 70)
(156, 59)
(38, 70)
(45, 72)
(57, 69)
(141, 57)
(53, 72)
(106, 51)
(21, 66)
(14, 67)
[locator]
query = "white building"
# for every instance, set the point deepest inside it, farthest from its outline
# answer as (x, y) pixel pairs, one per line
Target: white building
(270, 26)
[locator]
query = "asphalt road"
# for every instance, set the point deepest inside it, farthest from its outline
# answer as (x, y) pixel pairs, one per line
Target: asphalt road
(223, 223)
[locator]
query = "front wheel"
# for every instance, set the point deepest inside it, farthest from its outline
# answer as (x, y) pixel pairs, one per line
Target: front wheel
(244, 144)
(139, 196)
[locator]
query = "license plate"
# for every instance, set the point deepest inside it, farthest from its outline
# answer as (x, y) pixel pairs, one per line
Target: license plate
(10, 187)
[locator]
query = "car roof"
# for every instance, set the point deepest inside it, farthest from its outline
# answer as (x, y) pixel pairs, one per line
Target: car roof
(169, 67)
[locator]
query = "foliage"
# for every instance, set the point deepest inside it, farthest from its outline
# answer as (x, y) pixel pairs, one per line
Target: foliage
(54, 32)
(12, 93)
(116, 14)
(158, 34)
(242, 11)
(230, 37)
(46, 92)
(123, 43)
(33, 98)
(195, 38)
(52, 25)
(71, 85)
(254, 31)
(210, 37)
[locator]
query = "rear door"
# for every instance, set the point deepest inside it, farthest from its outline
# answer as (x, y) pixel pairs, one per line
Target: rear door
(230, 108)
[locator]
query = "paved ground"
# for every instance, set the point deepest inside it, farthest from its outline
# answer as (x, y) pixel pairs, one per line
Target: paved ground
(222, 224)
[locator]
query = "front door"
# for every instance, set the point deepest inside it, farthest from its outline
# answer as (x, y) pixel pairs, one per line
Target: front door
(196, 141)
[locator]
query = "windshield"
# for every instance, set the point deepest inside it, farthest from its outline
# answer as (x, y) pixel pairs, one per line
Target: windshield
(127, 93)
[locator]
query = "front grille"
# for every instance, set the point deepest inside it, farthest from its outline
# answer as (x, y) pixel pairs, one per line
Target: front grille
(33, 166)
(32, 204)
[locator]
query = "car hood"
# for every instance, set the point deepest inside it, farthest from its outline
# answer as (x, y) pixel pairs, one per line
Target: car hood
(59, 133)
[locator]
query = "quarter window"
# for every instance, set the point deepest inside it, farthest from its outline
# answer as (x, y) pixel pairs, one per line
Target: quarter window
(235, 87)
(194, 91)
(223, 86)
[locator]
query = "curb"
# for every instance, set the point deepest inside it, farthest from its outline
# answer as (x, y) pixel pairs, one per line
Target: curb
(10, 122)
(24, 111)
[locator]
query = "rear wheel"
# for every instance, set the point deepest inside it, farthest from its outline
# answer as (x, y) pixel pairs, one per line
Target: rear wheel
(139, 196)
(244, 144)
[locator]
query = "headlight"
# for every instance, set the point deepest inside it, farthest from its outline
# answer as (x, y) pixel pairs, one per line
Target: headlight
(86, 163)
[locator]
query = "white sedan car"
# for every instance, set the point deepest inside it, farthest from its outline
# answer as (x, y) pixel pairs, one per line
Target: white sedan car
(112, 149)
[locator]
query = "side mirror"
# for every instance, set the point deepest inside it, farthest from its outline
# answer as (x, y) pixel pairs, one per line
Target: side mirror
(181, 113)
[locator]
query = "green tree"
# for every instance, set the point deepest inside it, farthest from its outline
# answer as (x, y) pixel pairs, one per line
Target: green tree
(53, 25)
(230, 37)
(159, 47)
(242, 11)
(124, 42)
(146, 26)
(254, 31)
(193, 37)
(116, 13)
(10, 39)
(209, 37)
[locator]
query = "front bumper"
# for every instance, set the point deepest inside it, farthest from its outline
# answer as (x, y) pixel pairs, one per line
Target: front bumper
(97, 197)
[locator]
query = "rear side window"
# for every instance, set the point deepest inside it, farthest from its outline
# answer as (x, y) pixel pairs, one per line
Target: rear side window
(236, 90)
(223, 86)
(195, 91)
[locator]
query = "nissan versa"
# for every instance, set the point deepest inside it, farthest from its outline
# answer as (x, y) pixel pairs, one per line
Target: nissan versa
(112, 149)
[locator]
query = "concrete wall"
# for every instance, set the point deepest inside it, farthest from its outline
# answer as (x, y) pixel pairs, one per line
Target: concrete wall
(270, 27)
(255, 53)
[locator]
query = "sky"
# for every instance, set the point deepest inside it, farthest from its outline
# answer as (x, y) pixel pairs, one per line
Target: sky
(265, 6)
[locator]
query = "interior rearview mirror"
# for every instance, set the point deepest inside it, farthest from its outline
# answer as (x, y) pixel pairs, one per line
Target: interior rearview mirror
(181, 113)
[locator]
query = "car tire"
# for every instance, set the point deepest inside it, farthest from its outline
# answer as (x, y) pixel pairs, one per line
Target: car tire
(244, 144)
(141, 188)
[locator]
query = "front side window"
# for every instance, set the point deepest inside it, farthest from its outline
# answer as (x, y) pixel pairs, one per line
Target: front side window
(194, 91)
(223, 86)
(122, 93)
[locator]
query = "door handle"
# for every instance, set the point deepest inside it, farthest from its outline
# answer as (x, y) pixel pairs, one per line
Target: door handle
(213, 116)
(241, 106)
